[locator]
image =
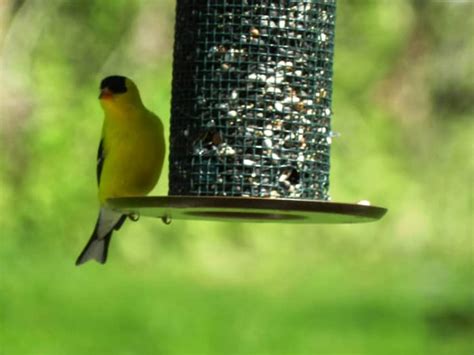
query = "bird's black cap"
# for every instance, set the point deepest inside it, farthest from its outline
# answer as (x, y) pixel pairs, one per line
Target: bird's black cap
(114, 83)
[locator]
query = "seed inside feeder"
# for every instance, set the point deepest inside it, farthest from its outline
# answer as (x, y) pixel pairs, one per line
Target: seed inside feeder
(254, 32)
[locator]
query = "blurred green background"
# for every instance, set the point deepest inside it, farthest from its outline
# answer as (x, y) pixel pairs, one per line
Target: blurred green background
(403, 103)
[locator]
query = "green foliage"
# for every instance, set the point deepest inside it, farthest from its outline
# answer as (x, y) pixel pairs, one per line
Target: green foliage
(403, 107)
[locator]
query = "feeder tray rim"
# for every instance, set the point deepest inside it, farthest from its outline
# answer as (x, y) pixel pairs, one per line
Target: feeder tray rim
(246, 209)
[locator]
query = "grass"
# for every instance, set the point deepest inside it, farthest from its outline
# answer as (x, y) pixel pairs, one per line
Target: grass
(252, 300)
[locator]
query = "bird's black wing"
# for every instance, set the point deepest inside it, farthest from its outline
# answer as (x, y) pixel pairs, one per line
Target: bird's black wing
(100, 160)
(100, 164)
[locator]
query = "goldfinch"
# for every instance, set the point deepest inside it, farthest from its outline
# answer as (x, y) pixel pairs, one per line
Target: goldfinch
(129, 161)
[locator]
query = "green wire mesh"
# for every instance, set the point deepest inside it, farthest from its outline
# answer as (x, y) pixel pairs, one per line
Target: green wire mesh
(251, 100)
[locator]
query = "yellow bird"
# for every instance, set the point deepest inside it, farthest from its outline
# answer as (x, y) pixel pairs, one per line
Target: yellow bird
(129, 161)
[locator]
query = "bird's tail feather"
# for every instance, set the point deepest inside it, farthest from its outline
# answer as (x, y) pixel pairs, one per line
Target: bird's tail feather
(98, 245)
(96, 249)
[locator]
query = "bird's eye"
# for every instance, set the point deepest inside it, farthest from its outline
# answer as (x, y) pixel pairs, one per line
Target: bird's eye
(115, 83)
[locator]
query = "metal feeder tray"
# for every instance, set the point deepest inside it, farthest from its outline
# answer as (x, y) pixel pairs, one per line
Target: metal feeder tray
(246, 209)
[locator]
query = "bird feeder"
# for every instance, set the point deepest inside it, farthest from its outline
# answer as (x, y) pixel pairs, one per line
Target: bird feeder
(251, 115)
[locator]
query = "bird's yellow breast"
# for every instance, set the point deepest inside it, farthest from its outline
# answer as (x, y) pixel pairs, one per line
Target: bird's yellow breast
(133, 156)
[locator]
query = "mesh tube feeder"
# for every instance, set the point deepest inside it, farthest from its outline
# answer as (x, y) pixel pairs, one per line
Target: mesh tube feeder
(251, 115)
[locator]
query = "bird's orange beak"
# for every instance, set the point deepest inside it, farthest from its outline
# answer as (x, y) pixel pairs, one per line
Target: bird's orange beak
(105, 94)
